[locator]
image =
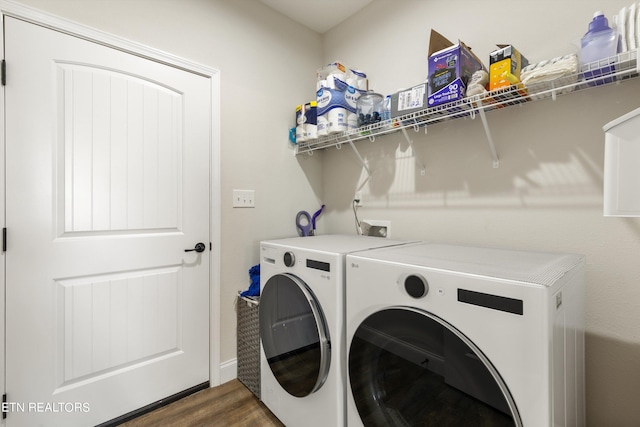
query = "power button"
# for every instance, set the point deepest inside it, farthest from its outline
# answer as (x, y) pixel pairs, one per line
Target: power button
(289, 259)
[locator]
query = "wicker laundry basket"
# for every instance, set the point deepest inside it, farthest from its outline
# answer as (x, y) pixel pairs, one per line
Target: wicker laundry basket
(248, 334)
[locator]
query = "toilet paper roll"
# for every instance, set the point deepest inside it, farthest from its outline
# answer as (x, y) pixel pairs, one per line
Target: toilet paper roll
(352, 121)
(331, 81)
(322, 127)
(311, 120)
(311, 132)
(337, 82)
(361, 79)
(337, 120)
(300, 133)
(300, 119)
(321, 83)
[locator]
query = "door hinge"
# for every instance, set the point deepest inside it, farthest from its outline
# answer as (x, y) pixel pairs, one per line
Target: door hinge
(4, 239)
(3, 70)
(4, 406)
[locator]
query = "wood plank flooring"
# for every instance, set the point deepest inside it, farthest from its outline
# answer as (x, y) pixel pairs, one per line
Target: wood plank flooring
(230, 404)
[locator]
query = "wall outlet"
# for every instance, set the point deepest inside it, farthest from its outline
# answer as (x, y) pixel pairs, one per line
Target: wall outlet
(244, 198)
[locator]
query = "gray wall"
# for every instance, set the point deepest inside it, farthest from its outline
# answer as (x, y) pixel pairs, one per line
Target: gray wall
(547, 192)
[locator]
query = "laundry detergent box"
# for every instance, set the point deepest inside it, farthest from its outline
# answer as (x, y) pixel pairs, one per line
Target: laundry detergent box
(450, 69)
(505, 65)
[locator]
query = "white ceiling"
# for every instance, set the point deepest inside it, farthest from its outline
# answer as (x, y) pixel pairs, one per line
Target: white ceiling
(318, 15)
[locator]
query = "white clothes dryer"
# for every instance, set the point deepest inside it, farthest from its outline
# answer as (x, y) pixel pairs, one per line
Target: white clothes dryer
(443, 335)
(302, 330)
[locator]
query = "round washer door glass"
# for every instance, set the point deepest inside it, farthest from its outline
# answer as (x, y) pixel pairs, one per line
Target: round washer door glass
(409, 368)
(294, 335)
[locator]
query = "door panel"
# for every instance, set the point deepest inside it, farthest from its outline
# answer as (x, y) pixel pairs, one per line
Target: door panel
(122, 145)
(134, 317)
(107, 183)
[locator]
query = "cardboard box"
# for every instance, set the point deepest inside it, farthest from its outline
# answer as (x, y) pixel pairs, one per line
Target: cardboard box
(505, 65)
(409, 100)
(450, 69)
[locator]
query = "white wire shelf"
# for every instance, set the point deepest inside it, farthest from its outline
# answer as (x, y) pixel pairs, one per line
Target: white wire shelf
(620, 67)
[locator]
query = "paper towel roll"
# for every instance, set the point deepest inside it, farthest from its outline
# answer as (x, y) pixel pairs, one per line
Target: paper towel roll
(361, 79)
(352, 121)
(300, 119)
(311, 131)
(337, 120)
(311, 120)
(331, 81)
(322, 127)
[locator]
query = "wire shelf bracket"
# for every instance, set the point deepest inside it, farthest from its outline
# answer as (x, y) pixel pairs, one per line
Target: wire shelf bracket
(492, 147)
(362, 161)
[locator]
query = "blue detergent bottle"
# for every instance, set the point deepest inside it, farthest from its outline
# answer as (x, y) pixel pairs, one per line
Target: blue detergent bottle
(598, 45)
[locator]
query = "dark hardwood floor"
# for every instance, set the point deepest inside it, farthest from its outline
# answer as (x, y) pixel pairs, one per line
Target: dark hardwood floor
(230, 404)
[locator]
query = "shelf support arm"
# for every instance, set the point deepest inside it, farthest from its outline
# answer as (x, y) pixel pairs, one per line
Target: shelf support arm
(423, 170)
(494, 153)
(362, 162)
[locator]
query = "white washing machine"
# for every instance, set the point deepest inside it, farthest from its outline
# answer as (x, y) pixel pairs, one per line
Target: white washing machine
(302, 330)
(442, 335)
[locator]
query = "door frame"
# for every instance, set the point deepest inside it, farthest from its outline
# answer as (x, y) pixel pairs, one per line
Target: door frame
(36, 16)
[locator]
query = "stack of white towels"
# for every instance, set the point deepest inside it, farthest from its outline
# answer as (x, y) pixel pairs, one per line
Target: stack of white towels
(627, 21)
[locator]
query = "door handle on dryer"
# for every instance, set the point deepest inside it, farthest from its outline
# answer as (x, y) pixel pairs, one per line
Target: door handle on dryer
(200, 247)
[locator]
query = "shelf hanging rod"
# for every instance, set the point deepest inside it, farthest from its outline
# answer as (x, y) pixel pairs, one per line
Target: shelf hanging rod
(554, 92)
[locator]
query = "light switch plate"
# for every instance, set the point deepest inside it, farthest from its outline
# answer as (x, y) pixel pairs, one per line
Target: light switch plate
(244, 198)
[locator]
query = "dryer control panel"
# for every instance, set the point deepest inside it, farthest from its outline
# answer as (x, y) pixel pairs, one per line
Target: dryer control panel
(303, 263)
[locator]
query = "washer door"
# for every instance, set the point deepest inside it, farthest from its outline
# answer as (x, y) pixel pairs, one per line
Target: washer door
(408, 367)
(294, 335)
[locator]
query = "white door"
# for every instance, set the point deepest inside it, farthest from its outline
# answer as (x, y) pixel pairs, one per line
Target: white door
(107, 184)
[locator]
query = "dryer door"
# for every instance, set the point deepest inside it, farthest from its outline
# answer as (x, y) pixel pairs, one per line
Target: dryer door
(408, 367)
(294, 335)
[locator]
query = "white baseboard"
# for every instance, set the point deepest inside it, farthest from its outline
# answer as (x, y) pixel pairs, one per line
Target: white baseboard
(228, 370)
